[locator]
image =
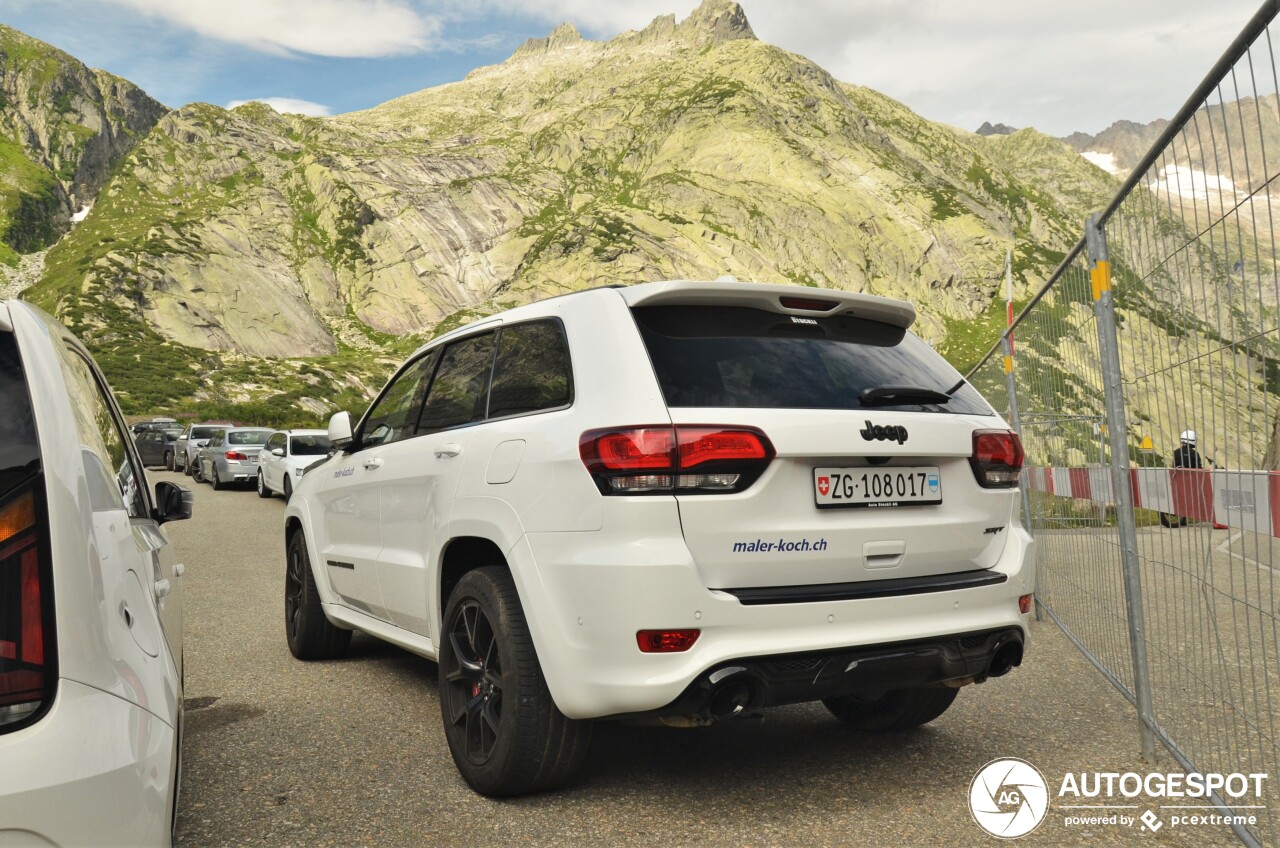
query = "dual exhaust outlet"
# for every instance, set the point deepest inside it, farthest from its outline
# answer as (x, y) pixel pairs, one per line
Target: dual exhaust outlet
(735, 692)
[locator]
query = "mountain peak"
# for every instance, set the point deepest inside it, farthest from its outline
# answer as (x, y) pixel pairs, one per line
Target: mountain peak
(988, 128)
(715, 21)
(565, 35)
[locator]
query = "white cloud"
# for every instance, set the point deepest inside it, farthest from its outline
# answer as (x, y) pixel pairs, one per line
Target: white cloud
(287, 105)
(340, 28)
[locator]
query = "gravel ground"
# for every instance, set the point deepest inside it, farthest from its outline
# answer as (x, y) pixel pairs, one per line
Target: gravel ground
(350, 753)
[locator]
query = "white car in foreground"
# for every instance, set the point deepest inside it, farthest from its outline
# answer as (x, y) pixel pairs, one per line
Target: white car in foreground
(285, 456)
(676, 502)
(90, 606)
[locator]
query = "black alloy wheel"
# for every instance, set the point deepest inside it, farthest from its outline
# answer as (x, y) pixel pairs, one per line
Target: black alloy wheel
(475, 683)
(309, 633)
(504, 731)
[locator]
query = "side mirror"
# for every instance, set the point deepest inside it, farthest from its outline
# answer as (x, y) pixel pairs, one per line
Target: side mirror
(173, 503)
(340, 430)
(277, 451)
(201, 442)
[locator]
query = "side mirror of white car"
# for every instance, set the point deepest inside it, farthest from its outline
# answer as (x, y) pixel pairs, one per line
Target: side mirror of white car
(277, 451)
(173, 503)
(340, 430)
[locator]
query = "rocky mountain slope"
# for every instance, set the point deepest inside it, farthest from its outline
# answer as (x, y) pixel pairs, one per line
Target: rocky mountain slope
(63, 128)
(234, 250)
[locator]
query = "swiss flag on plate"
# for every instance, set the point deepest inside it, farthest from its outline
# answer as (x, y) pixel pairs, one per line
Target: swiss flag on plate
(824, 485)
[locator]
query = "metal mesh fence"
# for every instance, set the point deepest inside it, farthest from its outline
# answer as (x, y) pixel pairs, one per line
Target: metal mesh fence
(1166, 319)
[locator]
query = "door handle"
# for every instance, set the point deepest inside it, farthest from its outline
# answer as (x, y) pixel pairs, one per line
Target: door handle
(162, 588)
(373, 463)
(448, 450)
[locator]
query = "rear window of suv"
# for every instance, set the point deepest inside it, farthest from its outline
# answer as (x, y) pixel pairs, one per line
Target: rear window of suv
(732, 356)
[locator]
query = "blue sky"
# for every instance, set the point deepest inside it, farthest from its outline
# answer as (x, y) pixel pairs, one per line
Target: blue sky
(1056, 66)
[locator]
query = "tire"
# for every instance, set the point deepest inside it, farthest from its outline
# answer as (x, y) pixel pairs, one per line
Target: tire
(310, 635)
(195, 472)
(263, 491)
(214, 479)
(897, 709)
(288, 490)
(504, 731)
(168, 461)
(186, 466)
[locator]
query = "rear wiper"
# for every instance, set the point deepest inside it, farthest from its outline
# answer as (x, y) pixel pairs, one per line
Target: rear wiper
(894, 395)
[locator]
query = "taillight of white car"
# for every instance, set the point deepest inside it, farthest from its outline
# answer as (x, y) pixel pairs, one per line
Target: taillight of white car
(26, 651)
(668, 460)
(997, 458)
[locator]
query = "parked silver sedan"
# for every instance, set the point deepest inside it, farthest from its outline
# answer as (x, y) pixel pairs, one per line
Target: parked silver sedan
(231, 456)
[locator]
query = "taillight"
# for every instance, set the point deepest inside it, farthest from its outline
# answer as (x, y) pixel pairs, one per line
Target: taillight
(666, 641)
(695, 459)
(236, 455)
(27, 675)
(997, 458)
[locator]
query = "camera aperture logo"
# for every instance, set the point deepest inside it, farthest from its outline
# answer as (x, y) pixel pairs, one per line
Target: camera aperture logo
(1008, 798)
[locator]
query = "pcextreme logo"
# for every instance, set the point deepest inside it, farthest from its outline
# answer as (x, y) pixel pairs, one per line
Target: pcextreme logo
(1008, 798)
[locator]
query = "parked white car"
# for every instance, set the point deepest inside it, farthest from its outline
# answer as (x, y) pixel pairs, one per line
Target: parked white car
(90, 606)
(285, 456)
(677, 502)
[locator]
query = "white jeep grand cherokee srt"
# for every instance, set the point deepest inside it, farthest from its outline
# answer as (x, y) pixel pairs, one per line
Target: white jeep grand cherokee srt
(678, 501)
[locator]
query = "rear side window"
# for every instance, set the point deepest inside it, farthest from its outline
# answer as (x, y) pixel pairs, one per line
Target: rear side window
(28, 673)
(731, 356)
(532, 371)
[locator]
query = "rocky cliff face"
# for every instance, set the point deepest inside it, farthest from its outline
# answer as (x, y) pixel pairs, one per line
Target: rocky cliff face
(685, 150)
(63, 128)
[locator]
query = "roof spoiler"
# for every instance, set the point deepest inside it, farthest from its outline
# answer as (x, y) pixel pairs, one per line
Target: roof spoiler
(785, 300)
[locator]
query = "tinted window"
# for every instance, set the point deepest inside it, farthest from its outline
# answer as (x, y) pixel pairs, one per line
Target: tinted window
(395, 415)
(113, 481)
(202, 432)
(309, 445)
(276, 441)
(532, 370)
(19, 450)
(248, 437)
(742, 357)
(459, 390)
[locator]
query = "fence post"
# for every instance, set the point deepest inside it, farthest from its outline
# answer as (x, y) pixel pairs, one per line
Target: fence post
(1011, 385)
(1117, 431)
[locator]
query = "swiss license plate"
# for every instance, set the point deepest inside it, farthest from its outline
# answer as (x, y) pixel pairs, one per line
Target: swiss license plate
(876, 487)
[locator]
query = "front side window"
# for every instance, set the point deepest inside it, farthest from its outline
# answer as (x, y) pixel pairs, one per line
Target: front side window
(276, 442)
(395, 415)
(113, 481)
(216, 439)
(460, 389)
(532, 371)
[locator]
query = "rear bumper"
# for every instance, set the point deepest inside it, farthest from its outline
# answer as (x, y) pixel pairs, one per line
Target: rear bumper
(587, 594)
(96, 770)
(751, 683)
